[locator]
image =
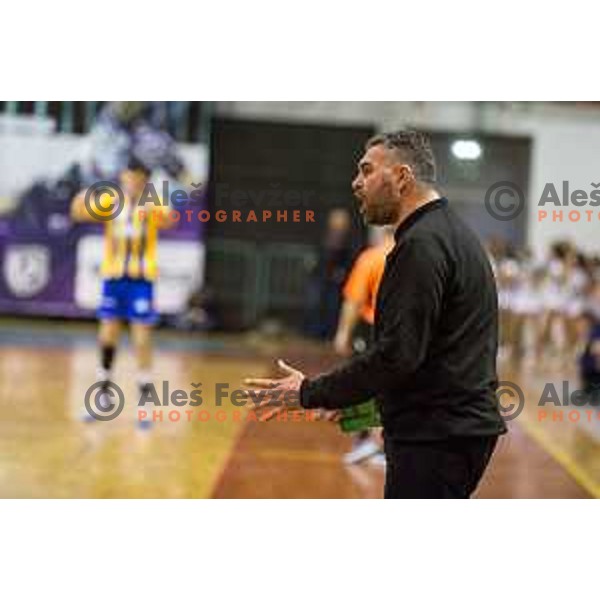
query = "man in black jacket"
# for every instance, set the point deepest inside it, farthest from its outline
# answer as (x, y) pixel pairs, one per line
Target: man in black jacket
(432, 367)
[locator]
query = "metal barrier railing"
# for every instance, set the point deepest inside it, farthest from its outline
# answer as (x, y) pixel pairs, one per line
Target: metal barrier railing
(259, 280)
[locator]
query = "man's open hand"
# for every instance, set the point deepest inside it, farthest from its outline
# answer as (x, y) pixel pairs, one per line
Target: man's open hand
(269, 397)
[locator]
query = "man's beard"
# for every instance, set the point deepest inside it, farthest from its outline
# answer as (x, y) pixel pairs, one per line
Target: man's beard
(385, 208)
(381, 214)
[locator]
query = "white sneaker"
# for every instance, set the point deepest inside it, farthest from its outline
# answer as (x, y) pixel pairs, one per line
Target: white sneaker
(102, 402)
(378, 460)
(145, 423)
(362, 451)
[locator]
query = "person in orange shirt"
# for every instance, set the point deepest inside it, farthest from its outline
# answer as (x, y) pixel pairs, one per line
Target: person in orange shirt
(356, 321)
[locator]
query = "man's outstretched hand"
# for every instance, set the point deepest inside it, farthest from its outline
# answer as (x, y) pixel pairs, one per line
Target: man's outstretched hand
(270, 397)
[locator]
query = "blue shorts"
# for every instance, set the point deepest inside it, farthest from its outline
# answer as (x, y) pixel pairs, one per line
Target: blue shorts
(128, 299)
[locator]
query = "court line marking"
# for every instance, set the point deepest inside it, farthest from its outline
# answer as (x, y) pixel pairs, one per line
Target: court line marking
(562, 457)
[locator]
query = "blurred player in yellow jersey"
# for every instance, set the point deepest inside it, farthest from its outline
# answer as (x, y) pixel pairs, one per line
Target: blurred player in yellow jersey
(129, 269)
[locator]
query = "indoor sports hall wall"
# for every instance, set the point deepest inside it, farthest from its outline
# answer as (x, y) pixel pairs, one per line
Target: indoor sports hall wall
(565, 143)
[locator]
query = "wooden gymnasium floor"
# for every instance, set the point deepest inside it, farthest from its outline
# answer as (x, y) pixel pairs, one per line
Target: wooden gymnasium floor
(47, 451)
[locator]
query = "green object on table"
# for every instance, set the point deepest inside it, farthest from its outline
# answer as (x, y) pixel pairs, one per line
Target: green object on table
(360, 417)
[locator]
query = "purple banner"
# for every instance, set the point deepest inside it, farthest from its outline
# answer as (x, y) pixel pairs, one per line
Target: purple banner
(42, 253)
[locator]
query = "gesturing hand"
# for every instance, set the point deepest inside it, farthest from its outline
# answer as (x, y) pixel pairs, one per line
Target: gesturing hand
(269, 397)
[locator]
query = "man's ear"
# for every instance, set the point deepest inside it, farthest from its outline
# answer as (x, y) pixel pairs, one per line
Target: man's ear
(402, 175)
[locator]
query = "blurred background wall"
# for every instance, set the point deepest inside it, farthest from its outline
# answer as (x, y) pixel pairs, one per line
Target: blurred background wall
(264, 150)
(564, 137)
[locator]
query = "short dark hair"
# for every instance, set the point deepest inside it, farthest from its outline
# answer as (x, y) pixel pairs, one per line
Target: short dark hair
(135, 164)
(414, 147)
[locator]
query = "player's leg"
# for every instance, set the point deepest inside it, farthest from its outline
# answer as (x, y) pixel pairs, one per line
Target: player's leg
(142, 318)
(141, 334)
(110, 315)
(560, 335)
(576, 331)
(108, 339)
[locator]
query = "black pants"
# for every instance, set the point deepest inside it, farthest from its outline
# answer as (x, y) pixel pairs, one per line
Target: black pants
(442, 469)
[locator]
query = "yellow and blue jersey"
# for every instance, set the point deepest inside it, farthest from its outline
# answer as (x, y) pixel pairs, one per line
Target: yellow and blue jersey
(130, 242)
(130, 264)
